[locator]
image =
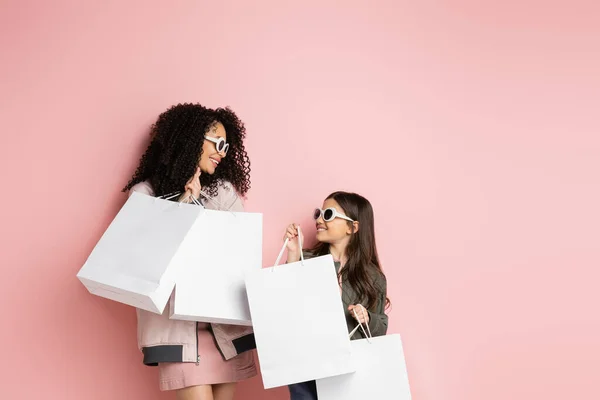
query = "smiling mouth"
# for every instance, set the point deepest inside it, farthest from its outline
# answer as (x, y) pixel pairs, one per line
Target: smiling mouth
(215, 162)
(321, 229)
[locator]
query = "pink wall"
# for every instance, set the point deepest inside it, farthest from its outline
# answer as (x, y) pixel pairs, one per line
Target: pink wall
(472, 127)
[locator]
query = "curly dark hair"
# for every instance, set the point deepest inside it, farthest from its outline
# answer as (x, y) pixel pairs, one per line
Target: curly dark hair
(176, 146)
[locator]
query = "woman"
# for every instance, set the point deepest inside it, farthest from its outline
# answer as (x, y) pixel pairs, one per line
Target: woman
(346, 230)
(198, 152)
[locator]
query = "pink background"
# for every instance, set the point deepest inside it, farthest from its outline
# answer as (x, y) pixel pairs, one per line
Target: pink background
(472, 127)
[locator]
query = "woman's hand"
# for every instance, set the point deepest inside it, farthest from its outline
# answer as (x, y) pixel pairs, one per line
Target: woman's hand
(293, 246)
(359, 313)
(192, 188)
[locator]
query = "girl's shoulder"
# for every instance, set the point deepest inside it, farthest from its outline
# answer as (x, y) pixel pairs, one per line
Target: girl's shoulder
(308, 254)
(377, 277)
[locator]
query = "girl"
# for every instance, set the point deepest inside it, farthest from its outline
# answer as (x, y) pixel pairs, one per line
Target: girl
(346, 230)
(198, 152)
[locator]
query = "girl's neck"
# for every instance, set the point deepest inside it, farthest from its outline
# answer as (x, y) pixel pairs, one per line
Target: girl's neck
(338, 251)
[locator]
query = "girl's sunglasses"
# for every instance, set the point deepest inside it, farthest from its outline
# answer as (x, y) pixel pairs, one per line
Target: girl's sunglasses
(221, 145)
(329, 214)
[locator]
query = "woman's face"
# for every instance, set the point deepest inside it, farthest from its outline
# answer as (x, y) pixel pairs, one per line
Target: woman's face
(334, 231)
(211, 158)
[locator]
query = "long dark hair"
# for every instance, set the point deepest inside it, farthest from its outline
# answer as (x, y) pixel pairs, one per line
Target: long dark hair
(176, 146)
(362, 260)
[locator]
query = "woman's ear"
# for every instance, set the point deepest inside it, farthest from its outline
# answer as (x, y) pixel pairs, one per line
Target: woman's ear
(353, 227)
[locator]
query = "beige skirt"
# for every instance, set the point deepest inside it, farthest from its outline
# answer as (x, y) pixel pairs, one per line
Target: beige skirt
(211, 369)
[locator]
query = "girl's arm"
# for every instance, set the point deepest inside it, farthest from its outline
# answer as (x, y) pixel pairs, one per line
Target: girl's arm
(378, 319)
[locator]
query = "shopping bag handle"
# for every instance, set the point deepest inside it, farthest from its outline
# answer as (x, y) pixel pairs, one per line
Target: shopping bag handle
(369, 336)
(175, 194)
(286, 241)
(194, 200)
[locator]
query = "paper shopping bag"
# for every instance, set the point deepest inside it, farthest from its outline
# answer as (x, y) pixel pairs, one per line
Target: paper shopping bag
(299, 324)
(380, 373)
(220, 249)
(136, 259)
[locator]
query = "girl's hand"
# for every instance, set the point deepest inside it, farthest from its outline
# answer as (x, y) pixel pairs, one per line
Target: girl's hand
(293, 247)
(192, 187)
(359, 313)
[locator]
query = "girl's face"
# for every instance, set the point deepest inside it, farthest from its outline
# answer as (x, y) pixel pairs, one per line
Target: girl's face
(335, 231)
(211, 157)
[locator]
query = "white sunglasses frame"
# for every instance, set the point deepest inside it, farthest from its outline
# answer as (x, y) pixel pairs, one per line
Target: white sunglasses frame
(216, 141)
(336, 214)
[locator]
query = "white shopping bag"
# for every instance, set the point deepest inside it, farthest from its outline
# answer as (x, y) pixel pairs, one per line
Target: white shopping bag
(136, 259)
(380, 373)
(211, 288)
(299, 323)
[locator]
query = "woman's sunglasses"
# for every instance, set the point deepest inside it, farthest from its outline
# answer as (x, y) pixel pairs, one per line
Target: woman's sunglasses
(329, 214)
(221, 145)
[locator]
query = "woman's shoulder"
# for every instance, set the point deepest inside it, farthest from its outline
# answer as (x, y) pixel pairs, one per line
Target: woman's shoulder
(225, 188)
(227, 198)
(142, 187)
